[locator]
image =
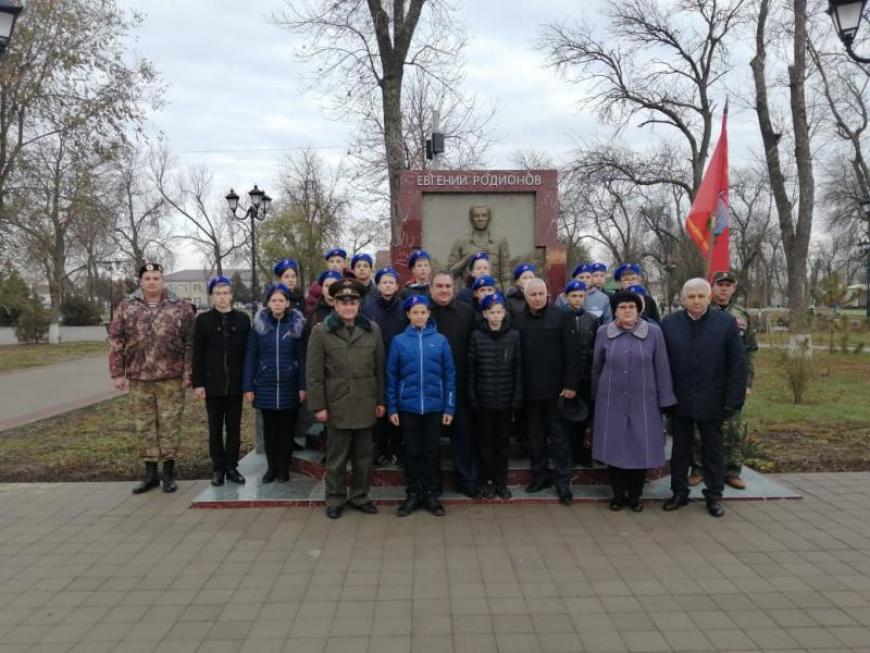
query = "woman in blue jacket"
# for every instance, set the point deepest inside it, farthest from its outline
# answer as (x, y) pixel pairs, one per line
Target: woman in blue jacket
(274, 376)
(421, 397)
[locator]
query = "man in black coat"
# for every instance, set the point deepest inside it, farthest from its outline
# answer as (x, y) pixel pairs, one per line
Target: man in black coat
(550, 371)
(455, 320)
(708, 365)
(219, 342)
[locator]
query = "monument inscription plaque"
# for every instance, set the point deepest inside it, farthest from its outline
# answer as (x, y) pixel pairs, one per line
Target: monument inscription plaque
(510, 214)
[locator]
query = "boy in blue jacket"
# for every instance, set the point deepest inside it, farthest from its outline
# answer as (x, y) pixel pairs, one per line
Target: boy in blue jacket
(421, 397)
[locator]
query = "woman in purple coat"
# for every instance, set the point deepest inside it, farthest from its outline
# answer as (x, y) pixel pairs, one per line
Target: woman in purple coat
(631, 382)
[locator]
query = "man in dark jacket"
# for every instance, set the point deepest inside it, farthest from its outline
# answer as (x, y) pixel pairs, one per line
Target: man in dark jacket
(708, 365)
(455, 320)
(219, 339)
(584, 326)
(551, 370)
(384, 307)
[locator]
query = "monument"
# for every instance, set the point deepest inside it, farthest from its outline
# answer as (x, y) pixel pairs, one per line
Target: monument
(481, 240)
(510, 214)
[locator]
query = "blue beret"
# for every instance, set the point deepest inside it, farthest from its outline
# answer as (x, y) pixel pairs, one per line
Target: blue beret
(218, 281)
(637, 288)
(285, 264)
(490, 300)
(480, 256)
(582, 267)
(417, 254)
(335, 251)
(277, 287)
(361, 257)
(524, 267)
(329, 274)
(384, 271)
(574, 285)
(626, 267)
(482, 282)
(413, 300)
(598, 267)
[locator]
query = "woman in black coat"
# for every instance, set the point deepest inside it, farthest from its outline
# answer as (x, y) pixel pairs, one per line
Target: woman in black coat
(495, 386)
(219, 341)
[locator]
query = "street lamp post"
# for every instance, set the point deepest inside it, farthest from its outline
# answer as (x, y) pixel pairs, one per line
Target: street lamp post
(111, 265)
(9, 11)
(846, 15)
(260, 205)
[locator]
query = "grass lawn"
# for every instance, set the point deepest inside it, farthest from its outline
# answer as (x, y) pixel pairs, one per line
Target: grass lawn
(19, 357)
(97, 444)
(829, 433)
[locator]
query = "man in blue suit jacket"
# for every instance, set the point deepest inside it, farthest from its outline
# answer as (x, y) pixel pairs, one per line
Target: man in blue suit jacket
(708, 365)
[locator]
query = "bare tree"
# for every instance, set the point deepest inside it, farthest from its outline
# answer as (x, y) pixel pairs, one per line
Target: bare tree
(188, 193)
(362, 50)
(657, 64)
(140, 227)
(753, 233)
(312, 213)
(795, 222)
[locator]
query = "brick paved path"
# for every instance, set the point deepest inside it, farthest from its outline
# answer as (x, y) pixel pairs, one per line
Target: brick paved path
(89, 567)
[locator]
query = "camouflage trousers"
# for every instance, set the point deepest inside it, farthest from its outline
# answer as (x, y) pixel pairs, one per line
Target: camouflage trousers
(157, 410)
(732, 446)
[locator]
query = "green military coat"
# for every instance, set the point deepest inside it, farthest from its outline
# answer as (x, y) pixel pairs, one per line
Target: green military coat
(345, 371)
(747, 334)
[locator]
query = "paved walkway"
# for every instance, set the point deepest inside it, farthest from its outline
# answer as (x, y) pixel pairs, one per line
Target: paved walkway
(89, 567)
(40, 392)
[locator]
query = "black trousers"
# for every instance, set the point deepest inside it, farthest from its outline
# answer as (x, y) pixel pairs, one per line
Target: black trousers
(224, 411)
(548, 439)
(422, 462)
(493, 432)
(279, 427)
(712, 456)
(626, 483)
(388, 438)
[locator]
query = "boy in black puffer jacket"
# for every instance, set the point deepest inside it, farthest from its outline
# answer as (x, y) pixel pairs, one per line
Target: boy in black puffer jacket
(495, 383)
(584, 326)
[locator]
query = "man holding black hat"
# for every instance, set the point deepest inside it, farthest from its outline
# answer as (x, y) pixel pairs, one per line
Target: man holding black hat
(151, 353)
(346, 390)
(220, 337)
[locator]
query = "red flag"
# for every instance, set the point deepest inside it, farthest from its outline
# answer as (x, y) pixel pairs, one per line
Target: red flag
(709, 218)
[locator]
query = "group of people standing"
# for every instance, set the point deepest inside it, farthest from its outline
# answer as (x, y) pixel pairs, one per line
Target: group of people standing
(389, 368)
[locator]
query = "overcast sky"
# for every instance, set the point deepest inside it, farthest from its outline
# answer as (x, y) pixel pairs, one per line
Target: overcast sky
(235, 100)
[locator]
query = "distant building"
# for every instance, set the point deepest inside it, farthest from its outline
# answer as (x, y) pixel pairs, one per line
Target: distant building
(192, 285)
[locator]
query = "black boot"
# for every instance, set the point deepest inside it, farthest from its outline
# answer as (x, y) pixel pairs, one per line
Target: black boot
(150, 479)
(169, 476)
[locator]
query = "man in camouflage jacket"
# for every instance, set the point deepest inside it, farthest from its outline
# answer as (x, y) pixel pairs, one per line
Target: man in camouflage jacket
(724, 285)
(151, 353)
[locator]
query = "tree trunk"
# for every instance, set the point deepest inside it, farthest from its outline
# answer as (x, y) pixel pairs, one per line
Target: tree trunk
(795, 239)
(391, 94)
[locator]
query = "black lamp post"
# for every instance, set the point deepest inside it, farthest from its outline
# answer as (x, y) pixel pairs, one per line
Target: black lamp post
(846, 15)
(9, 11)
(260, 205)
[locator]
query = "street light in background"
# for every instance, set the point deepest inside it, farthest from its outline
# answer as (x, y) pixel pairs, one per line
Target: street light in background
(111, 265)
(260, 205)
(846, 15)
(9, 11)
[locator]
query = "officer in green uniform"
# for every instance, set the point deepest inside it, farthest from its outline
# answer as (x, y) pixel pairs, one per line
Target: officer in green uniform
(724, 285)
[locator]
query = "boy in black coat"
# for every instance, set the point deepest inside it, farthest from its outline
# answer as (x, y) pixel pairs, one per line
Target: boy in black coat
(708, 365)
(219, 342)
(495, 387)
(584, 326)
